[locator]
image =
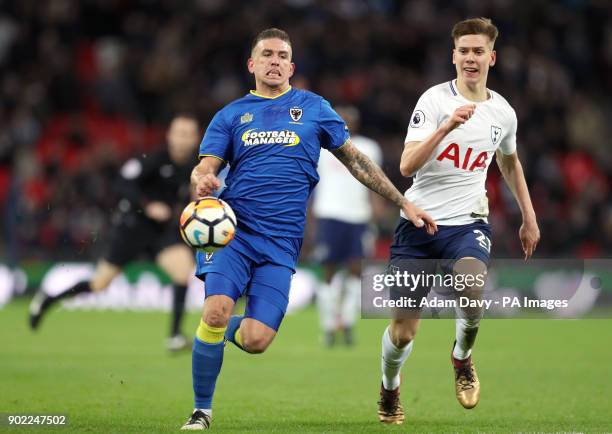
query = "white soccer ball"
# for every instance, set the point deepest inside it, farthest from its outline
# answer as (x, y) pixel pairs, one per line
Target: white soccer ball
(208, 224)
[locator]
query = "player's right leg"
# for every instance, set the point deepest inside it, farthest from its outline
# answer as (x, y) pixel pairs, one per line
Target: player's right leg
(330, 251)
(226, 274)
(397, 342)
(103, 275)
(207, 353)
(409, 252)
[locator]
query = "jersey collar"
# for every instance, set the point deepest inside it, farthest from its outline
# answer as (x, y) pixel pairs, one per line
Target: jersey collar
(254, 92)
(455, 90)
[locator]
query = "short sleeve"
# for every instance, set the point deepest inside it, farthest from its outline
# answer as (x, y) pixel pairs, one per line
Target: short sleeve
(424, 119)
(217, 139)
(333, 130)
(508, 143)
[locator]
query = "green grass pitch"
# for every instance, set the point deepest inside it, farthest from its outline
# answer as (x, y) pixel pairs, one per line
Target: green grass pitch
(109, 373)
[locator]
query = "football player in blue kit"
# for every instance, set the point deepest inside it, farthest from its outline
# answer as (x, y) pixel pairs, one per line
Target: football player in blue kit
(271, 138)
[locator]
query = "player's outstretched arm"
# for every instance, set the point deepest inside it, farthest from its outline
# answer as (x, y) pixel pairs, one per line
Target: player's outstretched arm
(204, 176)
(512, 171)
(372, 176)
(416, 154)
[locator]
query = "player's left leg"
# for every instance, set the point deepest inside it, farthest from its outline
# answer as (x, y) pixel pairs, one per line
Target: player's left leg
(351, 300)
(328, 299)
(331, 251)
(103, 275)
(355, 240)
(177, 262)
(467, 384)
(268, 296)
(471, 249)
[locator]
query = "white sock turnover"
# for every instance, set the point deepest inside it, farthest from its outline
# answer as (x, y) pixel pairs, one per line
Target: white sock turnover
(393, 359)
(465, 335)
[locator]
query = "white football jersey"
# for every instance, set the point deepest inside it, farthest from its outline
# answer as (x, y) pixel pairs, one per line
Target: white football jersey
(450, 186)
(339, 195)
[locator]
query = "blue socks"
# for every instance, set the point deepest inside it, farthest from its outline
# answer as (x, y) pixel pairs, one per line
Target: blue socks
(207, 358)
(206, 361)
(232, 333)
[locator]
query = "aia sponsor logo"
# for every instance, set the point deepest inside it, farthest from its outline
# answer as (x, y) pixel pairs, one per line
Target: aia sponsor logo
(466, 161)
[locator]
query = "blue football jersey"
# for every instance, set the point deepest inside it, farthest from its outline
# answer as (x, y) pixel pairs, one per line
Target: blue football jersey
(273, 147)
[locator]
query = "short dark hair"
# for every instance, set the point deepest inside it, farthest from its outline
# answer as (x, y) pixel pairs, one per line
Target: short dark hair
(271, 33)
(475, 26)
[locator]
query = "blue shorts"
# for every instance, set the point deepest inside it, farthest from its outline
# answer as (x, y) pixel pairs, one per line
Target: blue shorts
(254, 265)
(450, 242)
(416, 252)
(338, 242)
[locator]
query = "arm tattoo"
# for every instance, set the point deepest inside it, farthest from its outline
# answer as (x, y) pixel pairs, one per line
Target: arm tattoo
(368, 173)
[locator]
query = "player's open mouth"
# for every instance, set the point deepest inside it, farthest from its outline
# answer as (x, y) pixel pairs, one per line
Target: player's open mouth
(470, 70)
(273, 74)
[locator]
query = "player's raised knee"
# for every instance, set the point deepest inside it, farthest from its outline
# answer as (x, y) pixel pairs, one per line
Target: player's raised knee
(256, 344)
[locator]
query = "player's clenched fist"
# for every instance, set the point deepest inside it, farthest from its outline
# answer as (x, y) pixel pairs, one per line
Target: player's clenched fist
(460, 116)
(206, 184)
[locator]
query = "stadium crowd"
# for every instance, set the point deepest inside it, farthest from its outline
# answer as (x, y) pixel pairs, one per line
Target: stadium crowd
(86, 84)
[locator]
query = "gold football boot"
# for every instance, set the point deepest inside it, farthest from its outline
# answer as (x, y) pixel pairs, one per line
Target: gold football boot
(467, 385)
(390, 408)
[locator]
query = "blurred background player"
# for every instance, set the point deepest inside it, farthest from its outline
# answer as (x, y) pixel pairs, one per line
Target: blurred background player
(455, 130)
(153, 188)
(343, 208)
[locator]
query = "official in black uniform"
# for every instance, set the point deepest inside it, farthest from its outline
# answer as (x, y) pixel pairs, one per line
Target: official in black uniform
(153, 189)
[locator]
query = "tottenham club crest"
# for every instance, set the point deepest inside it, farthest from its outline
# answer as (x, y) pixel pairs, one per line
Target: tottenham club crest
(495, 134)
(295, 113)
(418, 119)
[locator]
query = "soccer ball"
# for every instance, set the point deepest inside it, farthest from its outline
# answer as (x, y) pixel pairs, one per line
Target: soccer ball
(208, 224)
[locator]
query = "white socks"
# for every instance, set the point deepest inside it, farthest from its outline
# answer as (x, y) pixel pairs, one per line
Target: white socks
(328, 298)
(351, 301)
(206, 411)
(339, 302)
(465, 335)
(393, 359)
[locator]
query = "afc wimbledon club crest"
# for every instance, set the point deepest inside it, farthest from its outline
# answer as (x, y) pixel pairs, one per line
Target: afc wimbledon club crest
(295, 113)
(418, 119)
(495, 134)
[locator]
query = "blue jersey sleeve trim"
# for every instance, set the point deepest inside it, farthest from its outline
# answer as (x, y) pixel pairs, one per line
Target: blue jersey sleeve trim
(342, 145)
(211, 155)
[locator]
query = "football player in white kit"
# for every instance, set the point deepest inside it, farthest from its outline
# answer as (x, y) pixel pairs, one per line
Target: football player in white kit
(454, 131)
(343, 208)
